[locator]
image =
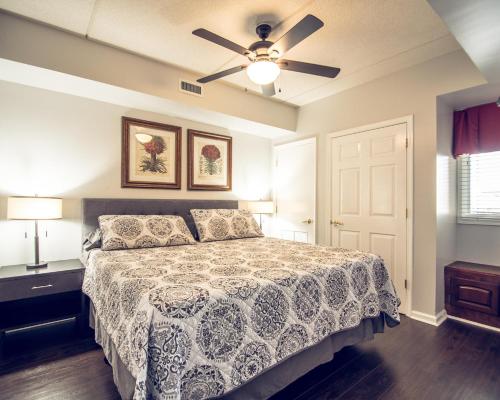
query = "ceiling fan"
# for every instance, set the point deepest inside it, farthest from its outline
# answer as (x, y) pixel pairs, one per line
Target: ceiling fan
(265, 56)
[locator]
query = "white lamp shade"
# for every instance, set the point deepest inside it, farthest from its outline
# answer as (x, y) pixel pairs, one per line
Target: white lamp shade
(260, 207)
(263, 72)
(34, 208)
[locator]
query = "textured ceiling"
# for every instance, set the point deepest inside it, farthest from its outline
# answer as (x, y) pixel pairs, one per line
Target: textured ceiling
(367, 39)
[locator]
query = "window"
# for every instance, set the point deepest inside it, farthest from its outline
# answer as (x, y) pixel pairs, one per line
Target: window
(479, 188)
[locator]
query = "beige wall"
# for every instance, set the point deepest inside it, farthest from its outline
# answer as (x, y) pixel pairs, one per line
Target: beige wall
(411, 91)
(35, 44)
(62, 145)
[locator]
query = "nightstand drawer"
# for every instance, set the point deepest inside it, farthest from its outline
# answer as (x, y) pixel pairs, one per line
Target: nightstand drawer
(32, 286)
(475, 295)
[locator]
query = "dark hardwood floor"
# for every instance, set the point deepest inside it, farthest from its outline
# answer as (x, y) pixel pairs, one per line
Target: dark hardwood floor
(411, 361)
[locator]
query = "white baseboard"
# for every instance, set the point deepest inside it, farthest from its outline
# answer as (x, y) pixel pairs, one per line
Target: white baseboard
(441, 316)
(466, 321)
(430, 319)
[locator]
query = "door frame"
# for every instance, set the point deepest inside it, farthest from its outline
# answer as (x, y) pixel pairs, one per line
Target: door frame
(299, 142)
(408, 120)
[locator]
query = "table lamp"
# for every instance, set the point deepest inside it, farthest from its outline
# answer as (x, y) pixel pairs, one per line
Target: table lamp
(260, 207)
(34, 208)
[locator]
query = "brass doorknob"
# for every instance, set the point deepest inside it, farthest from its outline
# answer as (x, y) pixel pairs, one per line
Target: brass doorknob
(336, 223)
(308, 221)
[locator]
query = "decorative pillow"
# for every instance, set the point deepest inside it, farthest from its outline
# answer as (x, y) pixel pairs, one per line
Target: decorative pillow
(141, 231)
(223, 224)
(92, 240)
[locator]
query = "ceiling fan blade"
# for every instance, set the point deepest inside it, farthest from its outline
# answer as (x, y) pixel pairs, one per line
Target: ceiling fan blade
(221, 74)
(268, 90)
(307, 68)
(212, 37)
(307, 26)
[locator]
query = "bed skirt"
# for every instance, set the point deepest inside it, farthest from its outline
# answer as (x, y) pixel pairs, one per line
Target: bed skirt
(264, 385)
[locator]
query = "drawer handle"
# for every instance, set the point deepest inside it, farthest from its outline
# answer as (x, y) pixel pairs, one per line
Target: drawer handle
(41, 287)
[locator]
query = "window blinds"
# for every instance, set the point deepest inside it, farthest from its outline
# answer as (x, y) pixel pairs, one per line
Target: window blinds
(479, 188)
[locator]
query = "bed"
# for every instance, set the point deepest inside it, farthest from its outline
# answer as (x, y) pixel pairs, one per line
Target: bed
(230, 319)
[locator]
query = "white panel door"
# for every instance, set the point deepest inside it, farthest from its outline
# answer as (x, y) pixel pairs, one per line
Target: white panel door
(295, 190)
(368, 196)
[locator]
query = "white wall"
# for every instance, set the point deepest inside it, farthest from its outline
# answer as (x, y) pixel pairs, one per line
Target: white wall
(446, 195)
(464, 242)
(478, 243)
(55, 144)
(411, 91)
(474, 243)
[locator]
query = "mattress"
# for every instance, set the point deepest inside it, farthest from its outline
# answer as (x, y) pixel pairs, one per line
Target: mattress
(202, 320)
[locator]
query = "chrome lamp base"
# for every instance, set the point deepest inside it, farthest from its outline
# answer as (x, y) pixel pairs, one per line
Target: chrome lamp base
(37, 265)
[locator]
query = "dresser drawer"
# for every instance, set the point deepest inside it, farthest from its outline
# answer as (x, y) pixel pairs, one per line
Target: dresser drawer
(475, 295)
(32, 286)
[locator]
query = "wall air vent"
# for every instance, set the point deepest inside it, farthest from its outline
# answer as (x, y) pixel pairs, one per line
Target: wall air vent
(190, 88)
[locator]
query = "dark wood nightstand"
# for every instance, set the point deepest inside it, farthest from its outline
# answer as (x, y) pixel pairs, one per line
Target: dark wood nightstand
(38, 296)
(472, 292)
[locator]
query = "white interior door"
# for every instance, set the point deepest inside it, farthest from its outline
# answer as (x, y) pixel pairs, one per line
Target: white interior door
(295, 190)
(368, 196)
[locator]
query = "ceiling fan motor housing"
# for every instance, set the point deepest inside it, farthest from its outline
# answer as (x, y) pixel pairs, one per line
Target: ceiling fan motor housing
(263, 30)
(260, 50)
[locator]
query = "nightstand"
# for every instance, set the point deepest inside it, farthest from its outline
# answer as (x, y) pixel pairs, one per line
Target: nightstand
(472, 292)
(30, 297)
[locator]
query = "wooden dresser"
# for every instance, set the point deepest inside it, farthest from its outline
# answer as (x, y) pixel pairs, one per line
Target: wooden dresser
(472, 292)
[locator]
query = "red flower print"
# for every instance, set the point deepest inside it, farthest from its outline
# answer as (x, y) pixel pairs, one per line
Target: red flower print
(155, 146)
(210, 152)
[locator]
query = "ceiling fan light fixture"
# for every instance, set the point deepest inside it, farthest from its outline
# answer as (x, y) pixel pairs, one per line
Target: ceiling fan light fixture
(263, 72)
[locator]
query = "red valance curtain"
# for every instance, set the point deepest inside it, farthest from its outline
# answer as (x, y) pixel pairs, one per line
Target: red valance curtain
(476, 130)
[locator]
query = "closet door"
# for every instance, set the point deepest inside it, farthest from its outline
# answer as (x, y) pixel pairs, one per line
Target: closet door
(368, 196)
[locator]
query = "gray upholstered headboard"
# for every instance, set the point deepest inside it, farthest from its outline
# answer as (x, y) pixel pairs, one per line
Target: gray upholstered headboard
(93, 208)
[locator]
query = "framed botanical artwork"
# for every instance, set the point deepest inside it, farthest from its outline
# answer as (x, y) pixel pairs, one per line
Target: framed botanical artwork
(209, 161)
(151, 155)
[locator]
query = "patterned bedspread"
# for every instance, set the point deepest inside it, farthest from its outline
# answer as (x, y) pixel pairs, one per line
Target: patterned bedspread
(197, 321)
